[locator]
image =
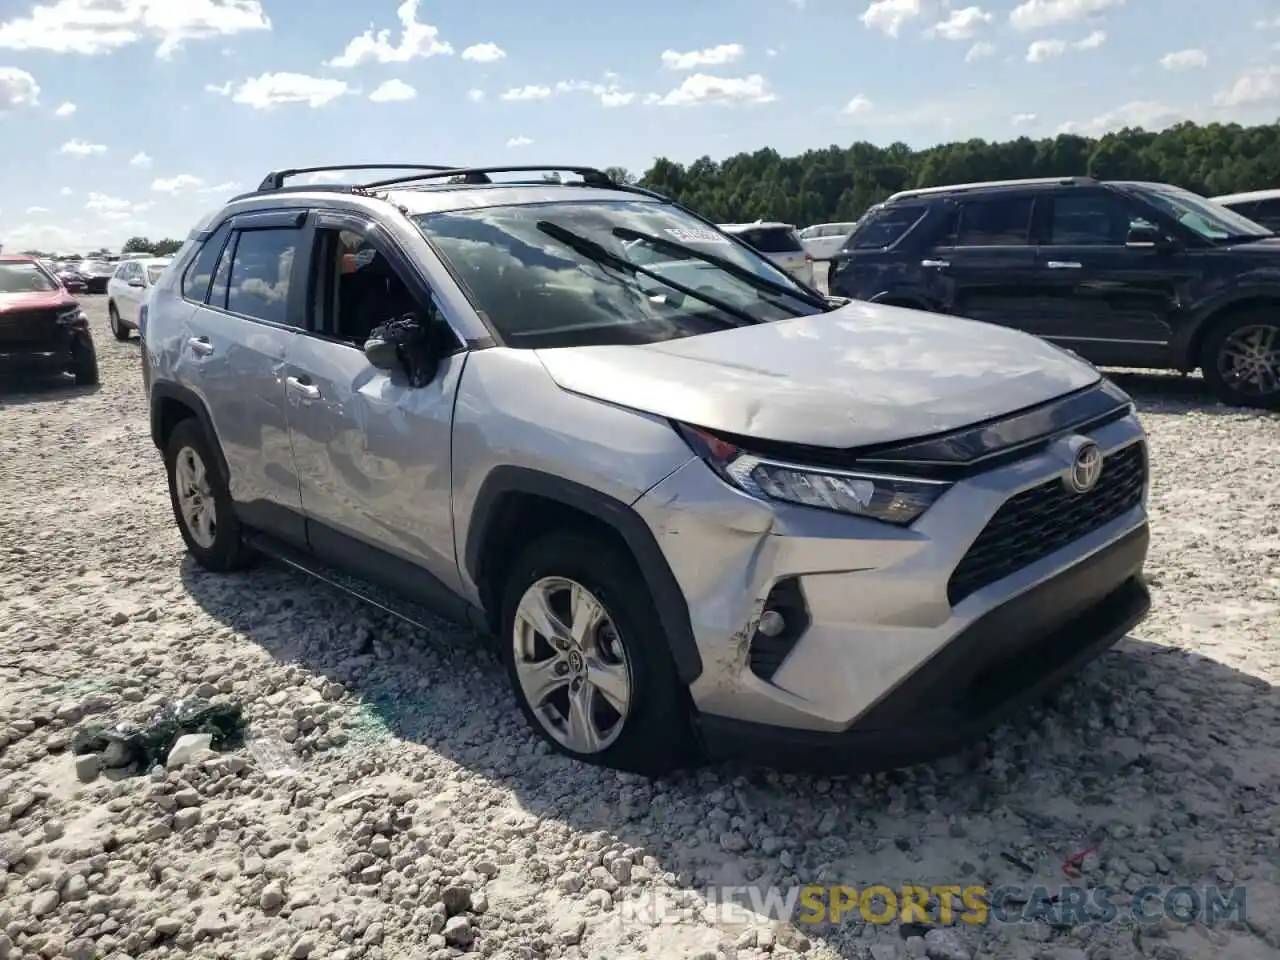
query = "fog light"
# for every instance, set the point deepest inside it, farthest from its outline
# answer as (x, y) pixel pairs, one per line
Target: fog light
(771, 624)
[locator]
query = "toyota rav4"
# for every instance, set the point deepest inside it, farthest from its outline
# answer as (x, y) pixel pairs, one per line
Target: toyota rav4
(702, 511)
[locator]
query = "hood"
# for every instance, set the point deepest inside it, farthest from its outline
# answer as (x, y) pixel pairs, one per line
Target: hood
(35, 301)
(863, 374)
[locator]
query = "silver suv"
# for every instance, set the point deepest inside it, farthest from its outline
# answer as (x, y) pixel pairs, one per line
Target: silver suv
(702, 510)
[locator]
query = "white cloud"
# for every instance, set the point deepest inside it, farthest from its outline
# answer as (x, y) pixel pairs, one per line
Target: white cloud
(889, 16)
(65, 110)
(519, 142)
(274, 89)
(475, 96)
(37, 209)
(227, 186)
(140, 159)
(483, 53)
(100, 26)
(417, 41)
(1022, 119)
(1042, 50)
(962, 24)
(66, 191)
(979, 50)
(610, 94)
(17, 89)
(701, 88)
(1147, 114)
(391, 91)
(1185, 60)
(182, 183)
(113, 208)
(858, 105)
(710, 57)
(1037, 14)
(527, 93)
(1254, 86)
(221, 89)
(82, 148)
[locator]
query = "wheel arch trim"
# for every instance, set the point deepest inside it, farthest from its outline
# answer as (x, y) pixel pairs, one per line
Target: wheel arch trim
(669, 601)
(163, 391)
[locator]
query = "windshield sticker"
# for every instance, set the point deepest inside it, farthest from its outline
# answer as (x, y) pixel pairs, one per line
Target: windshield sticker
(696, 235)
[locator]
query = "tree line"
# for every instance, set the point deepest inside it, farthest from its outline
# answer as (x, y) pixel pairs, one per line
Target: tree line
(838, 184)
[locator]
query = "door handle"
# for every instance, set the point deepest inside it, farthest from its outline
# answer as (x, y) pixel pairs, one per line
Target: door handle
(937, 264)
(200, 345)
(308, 391)
(1063, 265)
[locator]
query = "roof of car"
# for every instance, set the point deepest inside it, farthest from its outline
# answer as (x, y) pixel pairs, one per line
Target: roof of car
(16, 258)
(758, 225)
(1247, 197)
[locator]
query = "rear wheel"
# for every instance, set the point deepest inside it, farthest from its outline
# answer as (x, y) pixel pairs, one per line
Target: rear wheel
(587, 657)
(118, 329)
(1241, 359)
(201, 501)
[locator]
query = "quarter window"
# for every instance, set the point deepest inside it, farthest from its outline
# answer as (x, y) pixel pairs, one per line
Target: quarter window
(997, 222)
(258, 282)
(195, 282)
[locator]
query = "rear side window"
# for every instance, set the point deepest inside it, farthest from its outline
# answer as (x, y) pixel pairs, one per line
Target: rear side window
(258, 284)
(884, 227)
(995, 222)
(772, 240)
(195, 282)
(1265, 212)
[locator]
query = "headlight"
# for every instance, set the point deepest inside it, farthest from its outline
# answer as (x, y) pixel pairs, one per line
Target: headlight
(896, 500)
(75, 317)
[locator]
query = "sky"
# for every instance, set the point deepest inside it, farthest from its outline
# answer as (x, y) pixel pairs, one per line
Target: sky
(121, 118)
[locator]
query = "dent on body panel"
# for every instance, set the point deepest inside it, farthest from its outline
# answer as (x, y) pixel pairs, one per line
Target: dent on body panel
(249, 411)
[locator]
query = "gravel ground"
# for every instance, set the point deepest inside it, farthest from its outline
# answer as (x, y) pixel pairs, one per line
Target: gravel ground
(392, 804)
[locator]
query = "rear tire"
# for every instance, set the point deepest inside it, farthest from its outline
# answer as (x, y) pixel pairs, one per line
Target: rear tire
(1241, 358)
(118, 329)
(201, 501)
(625, 652)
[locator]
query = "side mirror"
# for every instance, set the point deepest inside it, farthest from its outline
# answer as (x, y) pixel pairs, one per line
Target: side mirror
(137, 282)
(382, 354)
(411, 344)
(1144, 237)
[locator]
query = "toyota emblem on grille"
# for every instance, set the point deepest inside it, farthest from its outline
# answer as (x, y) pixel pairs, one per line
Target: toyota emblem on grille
(1086, 468)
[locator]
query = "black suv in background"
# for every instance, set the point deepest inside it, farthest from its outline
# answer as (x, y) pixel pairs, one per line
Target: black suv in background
(1124, 274)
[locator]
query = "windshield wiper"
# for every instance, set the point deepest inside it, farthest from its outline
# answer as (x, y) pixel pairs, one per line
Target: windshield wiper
(749, 277)
(601, 254)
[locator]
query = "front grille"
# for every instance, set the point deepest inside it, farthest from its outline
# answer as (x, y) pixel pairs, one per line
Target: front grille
(29, 327)
(1036, 522)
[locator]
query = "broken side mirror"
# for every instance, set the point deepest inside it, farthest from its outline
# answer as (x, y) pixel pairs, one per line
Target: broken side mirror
(412, 344)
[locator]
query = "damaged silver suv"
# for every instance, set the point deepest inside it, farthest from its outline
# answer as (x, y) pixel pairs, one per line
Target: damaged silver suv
(702, 509)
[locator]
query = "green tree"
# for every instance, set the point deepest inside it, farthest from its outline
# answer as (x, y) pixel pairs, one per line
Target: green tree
(166, 247)
(839, 183)
(137, 245)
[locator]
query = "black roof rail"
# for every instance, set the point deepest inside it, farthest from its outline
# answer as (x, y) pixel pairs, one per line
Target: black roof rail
(276, 178)
(477, 175)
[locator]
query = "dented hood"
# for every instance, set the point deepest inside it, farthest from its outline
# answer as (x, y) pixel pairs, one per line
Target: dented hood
(863, 374)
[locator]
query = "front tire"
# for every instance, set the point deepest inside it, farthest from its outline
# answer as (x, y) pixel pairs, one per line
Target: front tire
(587, 657)
(84, 364)
(1241, 359)
(201, 501)
(118, 329)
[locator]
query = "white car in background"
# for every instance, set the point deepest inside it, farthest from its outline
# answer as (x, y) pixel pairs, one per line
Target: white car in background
(778, 242)
(128, 289)
(823, 240)
(1260, 206)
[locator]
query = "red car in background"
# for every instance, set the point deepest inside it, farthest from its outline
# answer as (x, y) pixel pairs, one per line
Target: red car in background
(42, 328)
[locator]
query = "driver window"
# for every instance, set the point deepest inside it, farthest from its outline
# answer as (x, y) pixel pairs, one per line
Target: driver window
(356, 287)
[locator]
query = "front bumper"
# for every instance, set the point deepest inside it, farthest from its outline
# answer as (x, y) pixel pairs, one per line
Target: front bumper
(46, 356)
(890, 623)
(1013, 656)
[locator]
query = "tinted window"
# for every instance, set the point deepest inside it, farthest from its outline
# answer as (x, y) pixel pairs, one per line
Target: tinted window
(540, 291)
(884, 226)
(997, 222)
(1090, 219)
(1266, 212)
(258, 284)
(772, 240)
(195, 282)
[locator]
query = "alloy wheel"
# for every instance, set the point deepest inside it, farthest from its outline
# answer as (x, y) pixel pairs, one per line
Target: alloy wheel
(195, 497)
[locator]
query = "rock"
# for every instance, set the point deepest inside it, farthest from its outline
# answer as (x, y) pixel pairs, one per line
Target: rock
(788, 936)
(569, 930)
(302, 947)
(186, 819)
(88, 766)
(77, 889)
(944, 944)
(456, 899)
(167, 926)
(374, 934)
(44, 903)
(884, 951)
(458, 932)
(272, 897)
(188, 748)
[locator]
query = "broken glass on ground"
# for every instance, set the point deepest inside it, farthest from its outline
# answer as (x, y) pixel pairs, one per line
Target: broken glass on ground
(149, 744)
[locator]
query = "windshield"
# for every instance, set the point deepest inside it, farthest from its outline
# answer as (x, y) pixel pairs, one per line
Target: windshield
(771, 239)
(538, 291)
(154, 272)
(25, 277)
(1208, 219)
